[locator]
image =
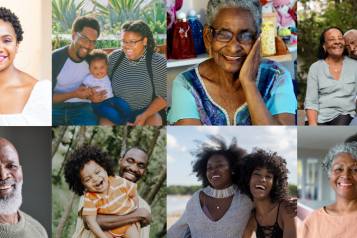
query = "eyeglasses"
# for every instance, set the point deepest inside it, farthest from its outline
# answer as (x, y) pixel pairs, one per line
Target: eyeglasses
(132, 43)
(226, 36)
(85, 40)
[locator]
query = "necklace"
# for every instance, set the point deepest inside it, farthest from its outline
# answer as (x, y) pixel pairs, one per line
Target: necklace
(219, 204)
(135, 63)
(220, 193)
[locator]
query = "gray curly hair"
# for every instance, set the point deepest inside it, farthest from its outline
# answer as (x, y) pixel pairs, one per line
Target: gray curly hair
(254, 6)
(348, 148)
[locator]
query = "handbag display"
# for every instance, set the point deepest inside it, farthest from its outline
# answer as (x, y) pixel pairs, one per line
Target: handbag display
(183, 46)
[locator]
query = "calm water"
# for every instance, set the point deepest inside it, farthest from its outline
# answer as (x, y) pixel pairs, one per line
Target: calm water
(176, 204)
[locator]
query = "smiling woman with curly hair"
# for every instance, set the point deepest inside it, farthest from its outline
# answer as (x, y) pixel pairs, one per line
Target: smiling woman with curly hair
(264, 179)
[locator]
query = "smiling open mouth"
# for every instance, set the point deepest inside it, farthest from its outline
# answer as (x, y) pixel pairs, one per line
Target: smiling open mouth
(230, 58)
(5, 186)
(260, 187)
(2, 58)
(98, 185)
(346, 185)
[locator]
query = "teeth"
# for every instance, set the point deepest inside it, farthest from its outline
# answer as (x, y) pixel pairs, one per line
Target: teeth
(259, 186)
(5, 187)
(346, 184)
(228, 57)
(216, 176)
(98, 183)
(130, 175)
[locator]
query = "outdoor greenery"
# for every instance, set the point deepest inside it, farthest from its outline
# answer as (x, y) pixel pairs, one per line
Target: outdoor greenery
(182, 190)
(120, 11)
(339, 13)
(113, 140)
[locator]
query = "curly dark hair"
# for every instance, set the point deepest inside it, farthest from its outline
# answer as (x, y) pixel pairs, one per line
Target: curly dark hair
(86, 21)
(144, 30)
(79, 158)
(7, 16)
(321, 54)
(274, 163)
(233, 153)
(97, 54)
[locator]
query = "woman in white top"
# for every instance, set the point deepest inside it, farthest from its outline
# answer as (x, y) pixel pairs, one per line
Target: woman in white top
(24, 101)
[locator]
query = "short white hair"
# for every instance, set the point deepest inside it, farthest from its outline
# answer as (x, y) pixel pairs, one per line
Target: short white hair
(347, 148)
(254, 6)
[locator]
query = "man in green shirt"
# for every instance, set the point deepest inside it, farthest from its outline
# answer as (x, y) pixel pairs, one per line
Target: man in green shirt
(13, 222)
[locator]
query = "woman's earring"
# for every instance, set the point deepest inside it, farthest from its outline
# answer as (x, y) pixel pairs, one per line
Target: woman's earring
(22, 65)
(232, 172)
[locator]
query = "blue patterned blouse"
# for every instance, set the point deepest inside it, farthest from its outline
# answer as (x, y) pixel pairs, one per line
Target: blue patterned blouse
(190, 98)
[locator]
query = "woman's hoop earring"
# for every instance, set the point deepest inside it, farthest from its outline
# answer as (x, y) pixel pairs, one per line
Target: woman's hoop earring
(29, 60)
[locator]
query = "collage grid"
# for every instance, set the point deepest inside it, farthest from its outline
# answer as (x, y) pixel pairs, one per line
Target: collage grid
(178, 118)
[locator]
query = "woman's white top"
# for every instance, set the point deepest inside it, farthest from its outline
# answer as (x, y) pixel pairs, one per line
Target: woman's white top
(194, 222)
(37, 111)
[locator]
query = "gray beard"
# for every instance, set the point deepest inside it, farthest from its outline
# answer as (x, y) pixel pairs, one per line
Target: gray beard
(10, 203)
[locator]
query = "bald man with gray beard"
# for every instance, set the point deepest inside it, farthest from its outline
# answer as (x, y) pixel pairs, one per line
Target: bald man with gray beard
(13, 222)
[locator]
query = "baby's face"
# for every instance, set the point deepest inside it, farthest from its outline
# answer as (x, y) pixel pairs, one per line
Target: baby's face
(94, 178)
(98, 68)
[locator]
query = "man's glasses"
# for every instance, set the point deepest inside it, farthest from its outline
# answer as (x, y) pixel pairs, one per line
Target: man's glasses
(226, 36)
(85, 40)
(132, 43)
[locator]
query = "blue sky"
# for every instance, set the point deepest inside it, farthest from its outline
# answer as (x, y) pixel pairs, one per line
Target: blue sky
(180, 141)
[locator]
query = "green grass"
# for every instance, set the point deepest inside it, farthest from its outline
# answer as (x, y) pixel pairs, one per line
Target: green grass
(60, 196)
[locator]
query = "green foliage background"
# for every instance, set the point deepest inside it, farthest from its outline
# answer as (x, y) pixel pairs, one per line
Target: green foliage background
(109, 139)
(339, 13)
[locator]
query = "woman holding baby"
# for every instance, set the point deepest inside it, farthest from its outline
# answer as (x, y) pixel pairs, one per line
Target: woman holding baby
(138, 75)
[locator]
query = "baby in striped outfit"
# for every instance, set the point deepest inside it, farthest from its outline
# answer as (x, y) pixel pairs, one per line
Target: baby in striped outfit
(104, 194)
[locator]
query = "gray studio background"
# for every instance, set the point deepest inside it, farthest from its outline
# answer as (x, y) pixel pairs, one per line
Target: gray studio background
(33, 145)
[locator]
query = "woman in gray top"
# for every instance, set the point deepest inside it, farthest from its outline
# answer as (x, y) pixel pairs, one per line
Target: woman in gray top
(219, 209)
(331, 83)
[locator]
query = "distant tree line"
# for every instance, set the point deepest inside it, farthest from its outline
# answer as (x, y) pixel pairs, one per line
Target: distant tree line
(182, 190)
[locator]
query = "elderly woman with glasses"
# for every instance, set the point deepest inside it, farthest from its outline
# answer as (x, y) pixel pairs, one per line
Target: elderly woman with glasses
(138, 74)
(236, 86)
(336, 220)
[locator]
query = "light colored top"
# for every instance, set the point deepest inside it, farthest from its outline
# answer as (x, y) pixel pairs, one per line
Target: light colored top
(104, 83)
(117, 201)
(27, 227)
(68, 74)
(194, 221)
(319, 224)
(329, 97)
(81, 232)
(37, 111)
(190, 98)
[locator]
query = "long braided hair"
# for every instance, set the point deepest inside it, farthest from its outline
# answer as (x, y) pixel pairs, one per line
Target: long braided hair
(144, 30)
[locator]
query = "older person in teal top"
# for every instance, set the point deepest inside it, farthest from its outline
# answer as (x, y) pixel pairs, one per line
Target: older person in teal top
(331, 83)
(236, 86)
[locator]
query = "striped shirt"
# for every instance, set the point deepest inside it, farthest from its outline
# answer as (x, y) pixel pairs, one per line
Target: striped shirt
(319, 224)
(132, 83)
(117, 201)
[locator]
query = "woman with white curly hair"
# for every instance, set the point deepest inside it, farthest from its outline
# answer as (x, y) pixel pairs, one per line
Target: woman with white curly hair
(336, 220)
(236, 86)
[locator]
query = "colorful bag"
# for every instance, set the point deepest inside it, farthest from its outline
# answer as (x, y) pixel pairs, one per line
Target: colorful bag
(197, 33)
(183, 46)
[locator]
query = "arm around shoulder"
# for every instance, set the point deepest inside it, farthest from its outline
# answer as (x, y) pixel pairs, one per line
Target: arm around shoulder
(290, 224)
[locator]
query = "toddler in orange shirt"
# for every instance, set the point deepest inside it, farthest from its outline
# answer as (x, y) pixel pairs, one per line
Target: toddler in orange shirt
(105, 193)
